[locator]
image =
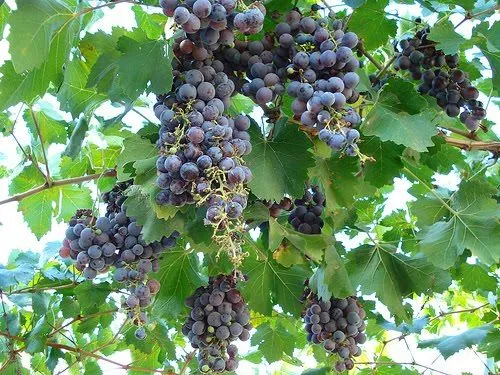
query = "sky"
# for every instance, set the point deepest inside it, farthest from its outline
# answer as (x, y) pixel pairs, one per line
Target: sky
(16, 235)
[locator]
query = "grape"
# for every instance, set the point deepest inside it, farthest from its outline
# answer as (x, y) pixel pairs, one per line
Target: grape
(264, 95)
(140, 333)
(328, 58)
(181, 15)
(350, 40)
(351, 80)
(187, 92)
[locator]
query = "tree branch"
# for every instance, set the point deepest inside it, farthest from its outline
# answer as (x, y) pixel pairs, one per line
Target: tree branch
(441, 314)
(391, 363)
(470, 16)
(93, 355)
(74, 180)
(44, 153)
(111, 3)
(471, 145)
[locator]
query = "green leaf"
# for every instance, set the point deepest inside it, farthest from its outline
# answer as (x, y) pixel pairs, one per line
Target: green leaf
(490, 345)
(134, 148)
(269, 284)
(334, 174)
(179, 276)
(279, 166)
(92, 368)
(38, 210)
(152, 24)
(35, 25)
(379, 269)
(449, 345)
(397, 116)
(240, 104)
(331, 278)
(488, 42)
(92, 296)
(387, 164)
(19, 270)
(473, 277)
(52, 127)
(154, 63)
(28, 178)
(74, 95)
(273, 342)
(74, 198)
(150, 215)
(473, 224)
(77, 136)
(370, 23)
(311, 245)
(69, 307)
(448, 40)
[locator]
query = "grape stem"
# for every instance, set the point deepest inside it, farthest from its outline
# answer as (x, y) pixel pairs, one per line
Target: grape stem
(69, 181)
(109, 4)
(386, 66)
(370, 57)
(463, 133)
(189, 357)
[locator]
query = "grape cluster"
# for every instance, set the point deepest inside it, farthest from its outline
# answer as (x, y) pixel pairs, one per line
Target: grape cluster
(338, 325)
(116, 196)
(115, 240)
(201, 147)
(441, 78)
(218, 316)
(306, 217)
(323, 78)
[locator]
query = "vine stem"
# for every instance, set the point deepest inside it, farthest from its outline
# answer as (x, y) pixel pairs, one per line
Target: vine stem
(74, 180)
(471, 144)
(189, 358)
(81, 318)
(441, 314)
(392, 363)
(369, 56)
(44, 152)
(85, 353)
(111, 3)
(463, 133)
(35, 290)
(386, 66)
(470, 16)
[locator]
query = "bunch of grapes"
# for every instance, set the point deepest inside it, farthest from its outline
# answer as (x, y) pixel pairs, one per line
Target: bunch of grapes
(115, 240)
(201, 147)
(116, 196)
(218, 316)
(338, 325)
(306, 217)
(441, 78)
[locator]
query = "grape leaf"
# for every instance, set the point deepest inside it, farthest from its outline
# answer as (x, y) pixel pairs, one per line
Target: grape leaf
(446, 37)
(474, 277)
(92, 296)
(179, 276)
(154, 63)
(19, 270)
(387, 164)
(473, 224)
(74, 95)
(273, 342)
(134, 148)
(334, 174)
(488, 42)
(77, 136)
(52, 129)
(311, 245)
(38, 209)
(144, 209)
(449, 345)
(269, 284)
(35, 25)
(491, 345)
(331, 277)
(397, 116)
(371, 25)
(379, 269)
(73, 198)
(279, 166)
